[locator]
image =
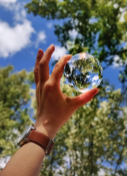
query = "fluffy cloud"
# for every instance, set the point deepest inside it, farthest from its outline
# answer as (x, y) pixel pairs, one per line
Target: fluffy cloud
(9, 4)
(49, 25)
(7, 1)
(19, 13)
(73, 33)
(15, 38)
(117, 63)
(41, 38)
(95, 78)
(59, 52)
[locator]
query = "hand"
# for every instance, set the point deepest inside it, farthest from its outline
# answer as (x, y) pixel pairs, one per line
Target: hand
(54, 108)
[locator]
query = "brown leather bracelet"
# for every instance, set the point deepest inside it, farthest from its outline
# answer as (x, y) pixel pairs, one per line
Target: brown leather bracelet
(42, 140)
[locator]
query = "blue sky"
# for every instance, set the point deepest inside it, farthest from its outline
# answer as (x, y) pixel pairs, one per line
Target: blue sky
(22, 34)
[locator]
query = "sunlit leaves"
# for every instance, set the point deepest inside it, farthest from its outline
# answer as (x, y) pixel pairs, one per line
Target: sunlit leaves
(14, 108)
(100, 25)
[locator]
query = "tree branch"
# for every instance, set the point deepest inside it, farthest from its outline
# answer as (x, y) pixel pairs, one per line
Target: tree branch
(91, 154)
(118, 162)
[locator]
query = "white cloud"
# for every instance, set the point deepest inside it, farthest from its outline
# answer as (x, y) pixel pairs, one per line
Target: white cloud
(115, 63)
(95, 78)
(118, 62)
(49, 25)
(73, 33)
(20, 15)
(15, 38)
(8, 4)
(17, 9)
(93, 84)
(7, 1)
(41, 38)
(59, 52)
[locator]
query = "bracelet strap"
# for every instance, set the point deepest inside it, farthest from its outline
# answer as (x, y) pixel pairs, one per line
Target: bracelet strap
(42, 140)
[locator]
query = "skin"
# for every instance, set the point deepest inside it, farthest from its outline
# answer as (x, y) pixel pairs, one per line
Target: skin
(54, 109)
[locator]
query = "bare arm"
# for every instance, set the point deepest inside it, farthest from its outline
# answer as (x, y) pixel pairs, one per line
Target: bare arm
(54, 109)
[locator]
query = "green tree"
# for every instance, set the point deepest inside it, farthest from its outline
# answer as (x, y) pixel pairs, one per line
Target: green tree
(14, 108)
(100, 25)
(95, 137)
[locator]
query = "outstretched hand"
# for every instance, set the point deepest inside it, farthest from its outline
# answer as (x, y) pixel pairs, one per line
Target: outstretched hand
(54, 108)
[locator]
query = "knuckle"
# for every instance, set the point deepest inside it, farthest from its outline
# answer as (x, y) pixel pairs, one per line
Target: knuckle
(40, 54)
(49, 50)
(35, 70)
(42, 64)
(49, 86)
(68, 99)
(57, 65)
(38, 57)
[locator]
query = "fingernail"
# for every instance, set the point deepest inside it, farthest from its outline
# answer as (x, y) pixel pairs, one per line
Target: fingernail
(39, 51)
(52, 46)
(69, 56)
(96, 91)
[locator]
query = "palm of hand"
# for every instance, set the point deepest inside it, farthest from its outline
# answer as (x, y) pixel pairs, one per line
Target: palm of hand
(53, 107)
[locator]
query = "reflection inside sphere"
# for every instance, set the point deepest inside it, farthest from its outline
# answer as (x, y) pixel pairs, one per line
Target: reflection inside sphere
(83, 72)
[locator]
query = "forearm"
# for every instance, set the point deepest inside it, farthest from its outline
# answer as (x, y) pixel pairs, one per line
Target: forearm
(27, 161)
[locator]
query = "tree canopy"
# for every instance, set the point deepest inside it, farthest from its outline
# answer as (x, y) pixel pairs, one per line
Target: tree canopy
(14, 108)
(100, 26)
(95, 137)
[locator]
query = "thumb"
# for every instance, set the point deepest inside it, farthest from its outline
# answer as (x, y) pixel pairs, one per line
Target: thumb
(84, 98)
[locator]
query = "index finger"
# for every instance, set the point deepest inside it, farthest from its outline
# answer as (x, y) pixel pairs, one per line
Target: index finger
(59, 67)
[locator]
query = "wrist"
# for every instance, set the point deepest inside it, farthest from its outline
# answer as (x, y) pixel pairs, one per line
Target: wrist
(45, 130)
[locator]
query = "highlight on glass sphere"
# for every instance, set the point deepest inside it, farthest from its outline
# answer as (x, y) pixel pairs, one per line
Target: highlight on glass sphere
(83, 72)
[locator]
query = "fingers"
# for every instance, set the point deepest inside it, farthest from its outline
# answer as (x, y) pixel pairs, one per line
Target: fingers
(36, 69)
(59, 68)
(84, 98)
(43, 65)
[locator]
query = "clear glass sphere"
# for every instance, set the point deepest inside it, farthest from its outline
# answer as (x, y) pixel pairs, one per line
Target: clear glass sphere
(83, 72)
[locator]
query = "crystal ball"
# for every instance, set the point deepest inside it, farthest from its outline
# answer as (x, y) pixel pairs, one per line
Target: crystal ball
(83, 72)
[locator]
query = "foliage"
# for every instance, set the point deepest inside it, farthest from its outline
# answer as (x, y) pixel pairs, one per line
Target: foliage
(100, 26)
(14, 108)
(95, 137)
